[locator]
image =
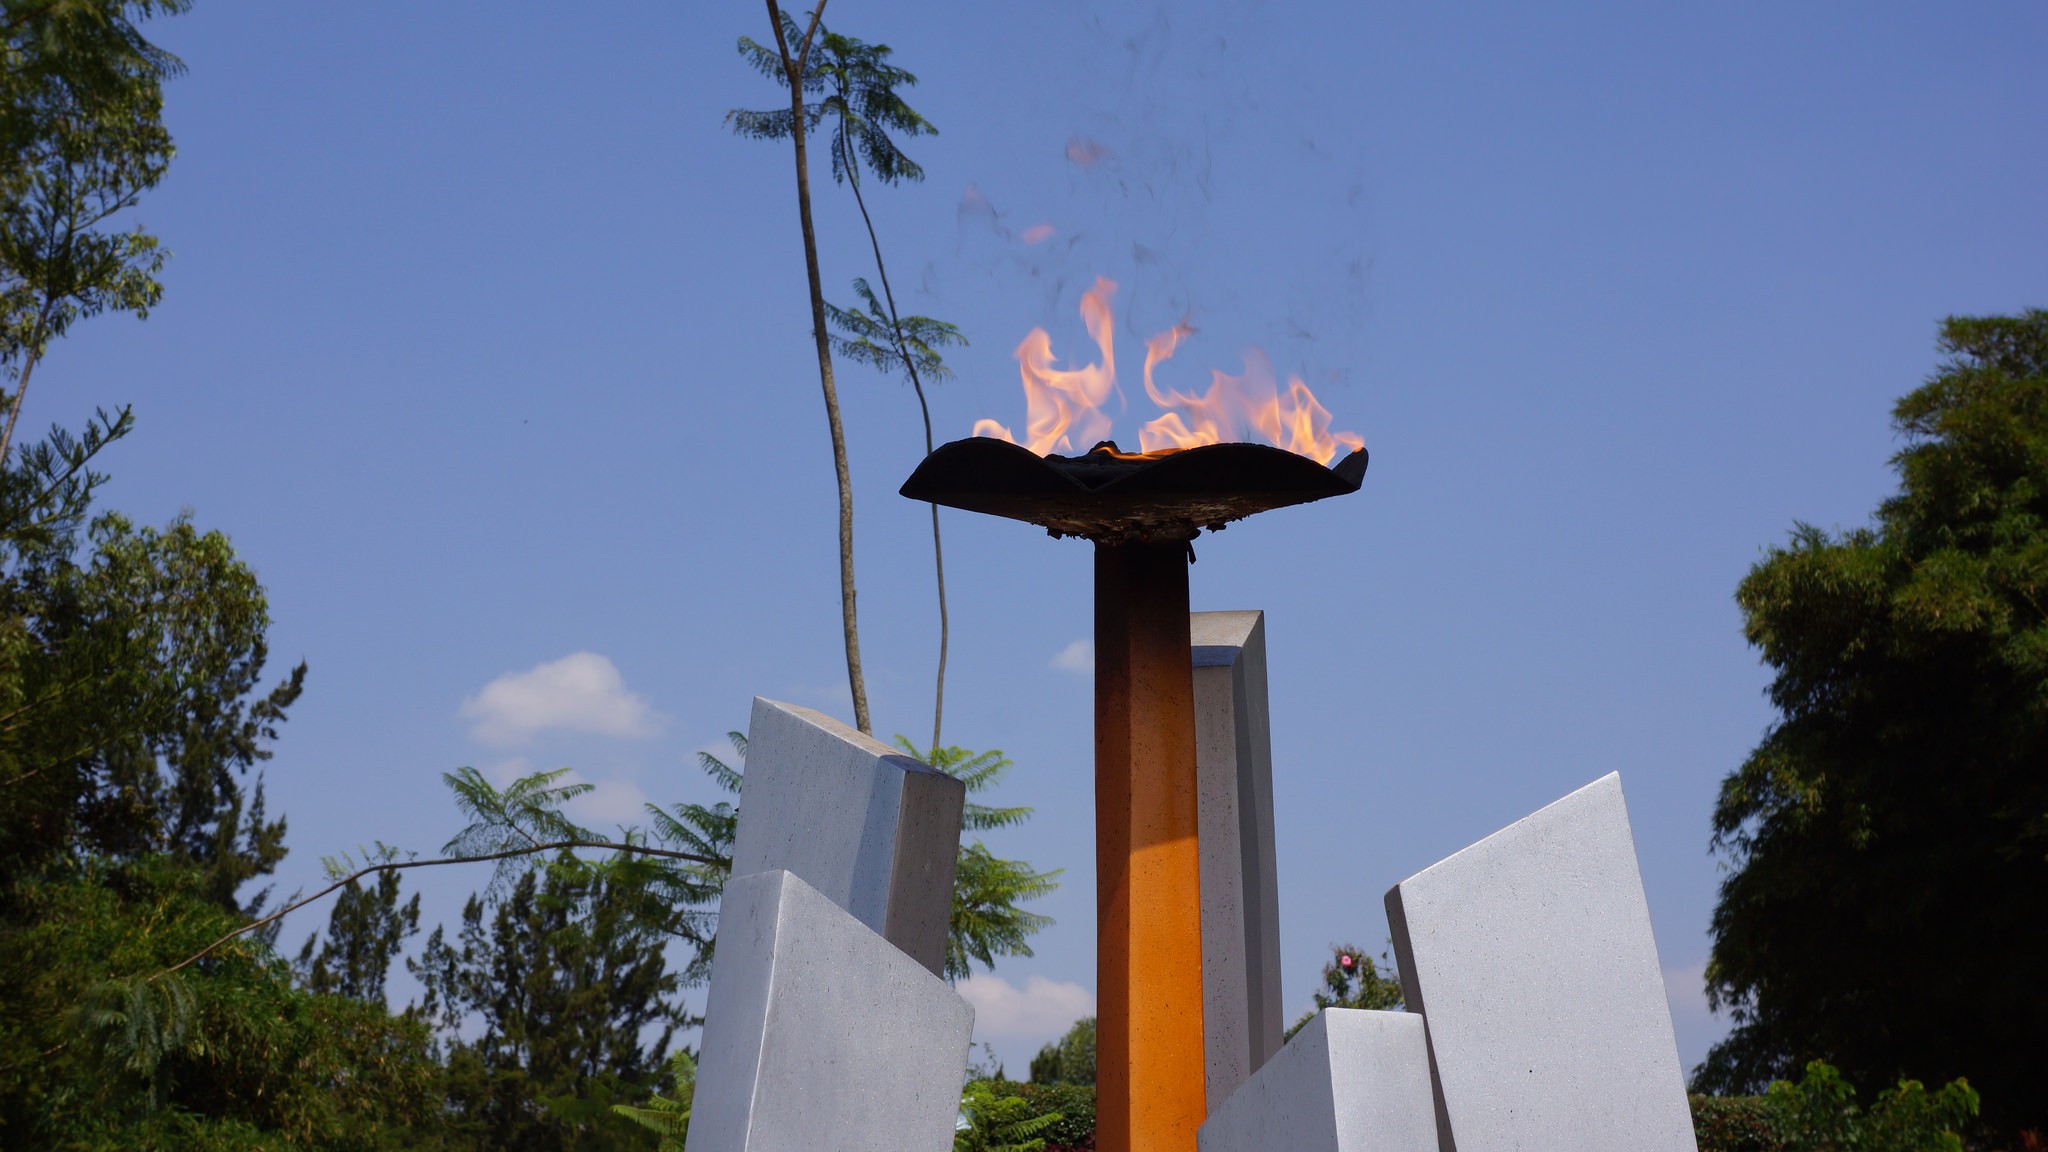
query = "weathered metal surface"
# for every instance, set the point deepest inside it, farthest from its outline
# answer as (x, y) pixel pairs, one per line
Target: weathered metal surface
(1112, 497)
(1141, 511)
(1149, 1044)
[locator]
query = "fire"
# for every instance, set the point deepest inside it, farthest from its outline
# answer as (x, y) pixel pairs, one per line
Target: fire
(1063, 408)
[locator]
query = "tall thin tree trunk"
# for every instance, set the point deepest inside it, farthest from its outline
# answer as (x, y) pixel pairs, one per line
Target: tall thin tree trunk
(794, 68)
(910, 366)
(28, 368)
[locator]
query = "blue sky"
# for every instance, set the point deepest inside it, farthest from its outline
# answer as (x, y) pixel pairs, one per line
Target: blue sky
(488, 345)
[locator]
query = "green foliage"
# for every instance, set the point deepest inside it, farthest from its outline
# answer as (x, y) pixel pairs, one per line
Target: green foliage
(81, 138)
(1071, 1107)
(365, 932)
(870, 336)
(1070, 1059)
(130, 715)
(668, 1115)
(860, 95)
(1733, 1124)
(998, 1121)
(1352, 980)
(860, 92)
(527, 812)
(541, 1004)
(94, 1053)
(1818, 1113)
(126, 689)
(1894, 821)
(1045, 1067)
(1074, 1104)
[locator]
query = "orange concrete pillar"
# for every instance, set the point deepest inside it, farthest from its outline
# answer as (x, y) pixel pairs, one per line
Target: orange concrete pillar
(1149, 1064)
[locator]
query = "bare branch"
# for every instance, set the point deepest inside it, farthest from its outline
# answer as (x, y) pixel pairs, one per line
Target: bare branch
(393, 866)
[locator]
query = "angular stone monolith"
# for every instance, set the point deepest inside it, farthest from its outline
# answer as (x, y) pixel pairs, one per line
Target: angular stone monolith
(874, 830)
(1241, 1022)
(1530, 957)
(1349, 1081)
(819, 1033)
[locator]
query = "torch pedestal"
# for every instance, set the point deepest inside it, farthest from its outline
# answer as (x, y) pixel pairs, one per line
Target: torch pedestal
(1141, 511)
(1149, 1059)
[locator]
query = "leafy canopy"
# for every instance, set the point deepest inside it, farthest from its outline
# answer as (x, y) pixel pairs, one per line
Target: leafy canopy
(859, 88)
(1888, 837)
(81, 139)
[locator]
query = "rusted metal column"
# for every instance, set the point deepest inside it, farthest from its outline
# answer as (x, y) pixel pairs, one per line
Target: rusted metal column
(1149, 1061)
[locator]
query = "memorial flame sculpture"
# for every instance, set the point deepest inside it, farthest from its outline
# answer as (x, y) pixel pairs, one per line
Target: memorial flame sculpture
(1536, 1015)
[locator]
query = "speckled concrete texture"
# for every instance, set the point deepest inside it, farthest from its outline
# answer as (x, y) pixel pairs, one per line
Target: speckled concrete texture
(1530, 957)
(819, 1033)
(1241, 1021)
(1349, 1081)
(874, 830)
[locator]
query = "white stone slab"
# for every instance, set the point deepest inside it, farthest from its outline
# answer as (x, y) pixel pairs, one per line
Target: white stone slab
(1531, 959)
(818, 1033)
(874, 830)
(1349, 1081)
(1241, 1023)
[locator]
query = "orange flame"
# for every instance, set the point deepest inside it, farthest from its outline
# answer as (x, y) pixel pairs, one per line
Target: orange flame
(1064, 407)
(1061, 406)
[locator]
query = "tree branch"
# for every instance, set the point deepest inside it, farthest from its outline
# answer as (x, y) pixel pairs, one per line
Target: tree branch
(396, 865)
(910, 369)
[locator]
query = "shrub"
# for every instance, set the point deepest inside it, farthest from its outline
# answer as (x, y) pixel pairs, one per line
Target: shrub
(1819, 1113)
(999, 1120)
(1075, 1104)
(1734, 1124)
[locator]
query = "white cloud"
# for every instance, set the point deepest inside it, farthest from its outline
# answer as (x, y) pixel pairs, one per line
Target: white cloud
(505, 772)
(581, 692)
(1078, 658)
(1041, 1010)
(609, 801)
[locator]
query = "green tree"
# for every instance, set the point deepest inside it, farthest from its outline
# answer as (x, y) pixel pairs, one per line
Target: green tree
(999, 1122)
(230, 1055)
(131, 715)
(988, 891)
(1819, 1113)
(131, 711)
(1888, 838)
(861, 96)
(668, 1115)
(790, 65)
(1068, 1060)
(128, 684)
(365, 933)
(81, 139)
(1353, 980)
(557, 982)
